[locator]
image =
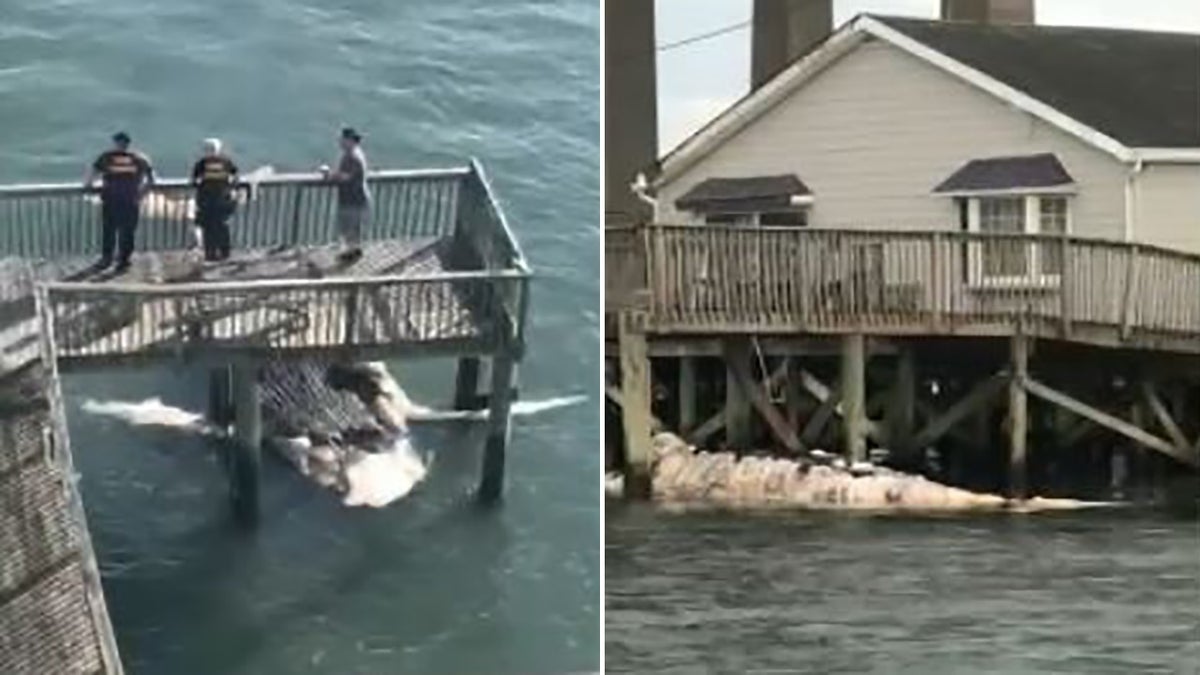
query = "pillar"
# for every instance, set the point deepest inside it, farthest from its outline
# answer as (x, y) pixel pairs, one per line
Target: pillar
(246, 464)
(220, 397)
(631, 126)
(784, 31)
(687, 394)
(1018, 416)
(635, 407)
(504, 379)
(854, 397)
(738, 411)
(466, 384)
(902, 407)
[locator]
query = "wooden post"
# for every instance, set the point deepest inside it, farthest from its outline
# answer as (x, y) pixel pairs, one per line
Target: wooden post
(504, 378)
(1018, 416)
(635, 411)
(246, 463)
(793, 392)
(738, 416)
(220, 397)
(687, 394)
(466, 384)
(902, 407)
(854, 397)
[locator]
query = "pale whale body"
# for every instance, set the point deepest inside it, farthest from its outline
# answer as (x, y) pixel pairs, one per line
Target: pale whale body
(371, 479)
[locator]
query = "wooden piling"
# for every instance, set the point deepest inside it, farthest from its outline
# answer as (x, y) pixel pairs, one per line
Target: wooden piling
(220, 397)
(687, 394)
(635, 408)
(1018, 417)
(246, 464)
(854, 397)
(504, 378)
(466, 384)
(738, 413)
(902, 407)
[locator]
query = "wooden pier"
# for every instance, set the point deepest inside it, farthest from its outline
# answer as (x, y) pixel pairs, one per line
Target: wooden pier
(913, 339)
(441, 275)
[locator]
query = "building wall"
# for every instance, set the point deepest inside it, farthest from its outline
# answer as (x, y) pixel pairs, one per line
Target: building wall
(1167, 206)
(875, 133)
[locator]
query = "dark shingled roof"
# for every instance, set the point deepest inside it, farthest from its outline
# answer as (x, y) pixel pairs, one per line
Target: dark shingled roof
(1007, 173)
(753, 193)
(1140, 88)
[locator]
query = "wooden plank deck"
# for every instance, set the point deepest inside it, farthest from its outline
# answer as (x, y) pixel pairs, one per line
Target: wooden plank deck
(52, 617)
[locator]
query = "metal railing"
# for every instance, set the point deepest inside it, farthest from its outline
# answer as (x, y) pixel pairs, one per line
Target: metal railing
(63, 220)
(728, 278)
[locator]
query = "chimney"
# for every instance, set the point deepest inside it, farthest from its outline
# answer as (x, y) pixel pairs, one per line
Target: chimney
(988, 11)
(784, 31)
(631, 112)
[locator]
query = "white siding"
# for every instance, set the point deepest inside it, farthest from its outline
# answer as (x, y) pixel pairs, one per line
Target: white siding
(1167, 206)
(878, 130)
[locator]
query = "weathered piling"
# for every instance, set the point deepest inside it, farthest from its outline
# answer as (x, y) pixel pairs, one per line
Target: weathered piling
(246, 464)
(504, 378)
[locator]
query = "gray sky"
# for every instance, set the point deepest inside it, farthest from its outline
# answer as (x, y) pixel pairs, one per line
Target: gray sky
(700, 80)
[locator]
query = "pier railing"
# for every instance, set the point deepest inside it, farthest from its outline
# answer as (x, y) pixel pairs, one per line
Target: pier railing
(63, 220)
(483, 309)
(727, 278)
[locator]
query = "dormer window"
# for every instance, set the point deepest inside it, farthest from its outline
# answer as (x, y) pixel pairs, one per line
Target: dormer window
(1013, 196)
(756, 201)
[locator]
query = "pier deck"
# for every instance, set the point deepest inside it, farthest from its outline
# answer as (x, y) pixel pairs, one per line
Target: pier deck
(441, 275)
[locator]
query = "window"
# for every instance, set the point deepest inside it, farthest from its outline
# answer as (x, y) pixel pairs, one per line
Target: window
(794, 218)
(1004, 262)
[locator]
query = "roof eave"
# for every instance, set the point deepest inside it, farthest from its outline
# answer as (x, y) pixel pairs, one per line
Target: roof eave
(1167, 155)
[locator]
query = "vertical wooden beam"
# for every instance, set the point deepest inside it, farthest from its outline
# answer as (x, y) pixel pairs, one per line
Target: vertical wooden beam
(246, 464)
(635, 409)
(901, 410)
(738, 416)
(854, 397)
(793, 392)
(687, 394)
(1018, 417)
(220, 397)
(466, 384)
(504, 379)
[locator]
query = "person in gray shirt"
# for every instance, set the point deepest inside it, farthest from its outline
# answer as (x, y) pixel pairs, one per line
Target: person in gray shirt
(353, 195)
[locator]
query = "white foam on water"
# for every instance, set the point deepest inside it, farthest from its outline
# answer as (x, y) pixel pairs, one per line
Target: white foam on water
(519, 409)
(151, 412)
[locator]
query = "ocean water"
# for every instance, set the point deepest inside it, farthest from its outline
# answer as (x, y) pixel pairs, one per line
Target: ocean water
(431, 584)
(1087, 593)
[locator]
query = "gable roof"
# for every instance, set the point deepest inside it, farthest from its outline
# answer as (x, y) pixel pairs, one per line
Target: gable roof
(1109, 107)
(1140, 88)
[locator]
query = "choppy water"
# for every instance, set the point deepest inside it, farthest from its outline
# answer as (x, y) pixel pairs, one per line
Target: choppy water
(430, 584)
(1086, 593)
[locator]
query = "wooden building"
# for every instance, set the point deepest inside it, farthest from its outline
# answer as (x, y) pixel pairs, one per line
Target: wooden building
(918, 228)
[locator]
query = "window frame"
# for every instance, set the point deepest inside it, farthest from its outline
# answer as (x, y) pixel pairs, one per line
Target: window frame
(1035, 276)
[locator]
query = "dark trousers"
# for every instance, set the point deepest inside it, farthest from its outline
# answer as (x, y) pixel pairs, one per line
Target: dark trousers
(119, 218)
(214, 225)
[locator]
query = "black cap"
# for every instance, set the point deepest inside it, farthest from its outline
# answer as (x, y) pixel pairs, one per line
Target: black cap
(350, 133)
(121, 137)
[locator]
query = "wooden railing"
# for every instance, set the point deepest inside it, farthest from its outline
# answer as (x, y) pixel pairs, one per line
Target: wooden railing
(719, 279)
(93, 321)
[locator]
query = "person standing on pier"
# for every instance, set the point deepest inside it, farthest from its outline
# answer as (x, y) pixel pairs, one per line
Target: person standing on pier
(215, 177)
(354, 197)
(127, 175)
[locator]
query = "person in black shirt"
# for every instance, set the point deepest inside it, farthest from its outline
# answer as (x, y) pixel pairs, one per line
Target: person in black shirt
(127, 175)
(215, 177)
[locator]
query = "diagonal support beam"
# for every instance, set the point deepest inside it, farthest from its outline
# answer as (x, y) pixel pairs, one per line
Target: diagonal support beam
(1110, 422)
(761, 402)
(1164, 416)
(977, 398)
(717, 422)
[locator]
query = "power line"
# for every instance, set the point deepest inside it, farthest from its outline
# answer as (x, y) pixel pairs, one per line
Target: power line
(704, 36)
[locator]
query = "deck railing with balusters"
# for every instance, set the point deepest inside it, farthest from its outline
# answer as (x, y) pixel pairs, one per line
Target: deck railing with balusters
(711, 279)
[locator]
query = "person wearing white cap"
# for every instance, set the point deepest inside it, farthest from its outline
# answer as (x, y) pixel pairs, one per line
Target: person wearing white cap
(215, 176)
